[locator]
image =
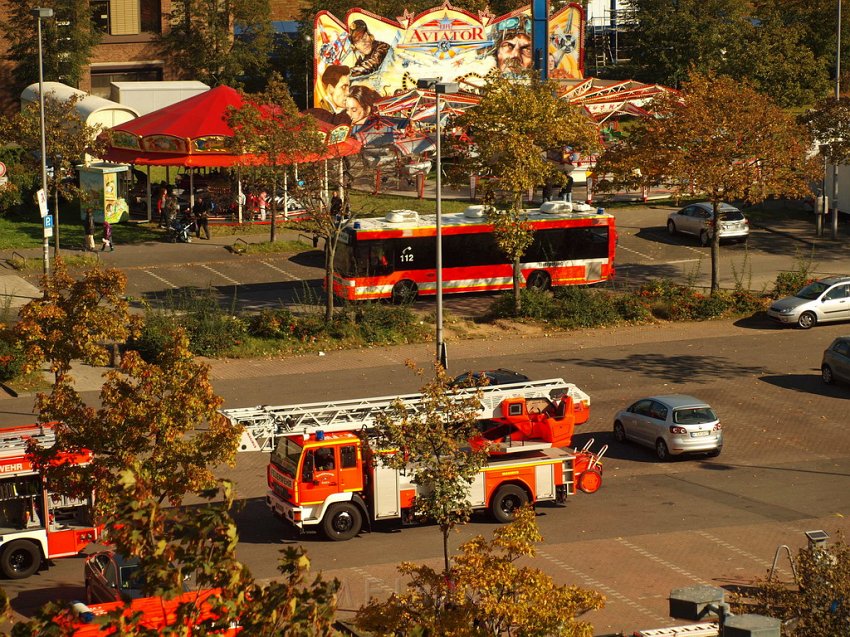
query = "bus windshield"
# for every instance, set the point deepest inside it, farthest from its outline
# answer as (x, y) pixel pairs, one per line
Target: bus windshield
(287, 454)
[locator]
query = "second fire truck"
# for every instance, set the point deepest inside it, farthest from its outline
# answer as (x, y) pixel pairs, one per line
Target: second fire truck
(325, 476)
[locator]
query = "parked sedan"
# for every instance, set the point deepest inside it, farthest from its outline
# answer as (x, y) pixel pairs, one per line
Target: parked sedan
(696, 219)
(822, 301)
(111, 577)
(672, 425)
(836, 361)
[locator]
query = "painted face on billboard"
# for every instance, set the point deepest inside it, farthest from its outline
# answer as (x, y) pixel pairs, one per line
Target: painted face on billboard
(339, 93)
(364, 44)
(355, 110)
(514, 55)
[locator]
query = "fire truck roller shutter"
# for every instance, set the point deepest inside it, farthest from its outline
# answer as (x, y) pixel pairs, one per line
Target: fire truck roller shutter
(507, 499)
(20, 559)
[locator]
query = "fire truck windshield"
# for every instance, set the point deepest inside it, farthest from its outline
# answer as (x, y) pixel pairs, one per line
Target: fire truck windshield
(286, 454)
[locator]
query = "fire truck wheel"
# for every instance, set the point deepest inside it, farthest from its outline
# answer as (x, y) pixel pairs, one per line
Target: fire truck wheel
(404, 292)
(590, 481)
(507, 500)
(342, 522)
(20, 559)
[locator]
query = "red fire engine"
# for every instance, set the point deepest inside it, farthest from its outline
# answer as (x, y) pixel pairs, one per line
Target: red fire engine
(36, 524)
(323, 476)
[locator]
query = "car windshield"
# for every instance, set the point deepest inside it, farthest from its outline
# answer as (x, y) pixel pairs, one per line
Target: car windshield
(286, 455)
(812, 291)
(694, 415)
(131, 577)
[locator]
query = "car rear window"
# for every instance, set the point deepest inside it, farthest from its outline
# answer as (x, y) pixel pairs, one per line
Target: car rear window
(732, 215)
(694, 415)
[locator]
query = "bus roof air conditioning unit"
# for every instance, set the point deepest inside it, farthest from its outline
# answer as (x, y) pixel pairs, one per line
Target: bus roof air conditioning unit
(402, 216)
(556, 207)
(475, 212)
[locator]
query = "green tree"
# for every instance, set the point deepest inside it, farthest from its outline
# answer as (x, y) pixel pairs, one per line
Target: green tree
(721, 138)
(829, 124)
(818, 605)
(201, 39)
(67, 141)
(272, 131)
(67, 41)
(511, 129)
(485, 593)
(433, 445)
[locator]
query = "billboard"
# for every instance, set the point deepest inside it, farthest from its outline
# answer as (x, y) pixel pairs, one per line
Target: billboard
(365, 58)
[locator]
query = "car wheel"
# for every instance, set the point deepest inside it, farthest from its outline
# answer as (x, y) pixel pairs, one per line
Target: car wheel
(704, 239)
(807, 320)
(671, 227)
(619, 432)
(661, 450)
(826, 374)
(405, 292)
(20, 559)
(539, 281)
(506, 502)
(342, 522)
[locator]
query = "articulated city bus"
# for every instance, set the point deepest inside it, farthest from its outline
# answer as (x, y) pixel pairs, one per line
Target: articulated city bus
(395, 256)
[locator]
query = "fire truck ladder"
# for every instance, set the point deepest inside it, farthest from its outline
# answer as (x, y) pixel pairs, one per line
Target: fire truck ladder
(263, 425)
(13, 441)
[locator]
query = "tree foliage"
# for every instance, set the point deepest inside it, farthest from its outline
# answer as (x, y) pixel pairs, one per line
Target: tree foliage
(433, 444)
(829, 124)
(718, 137)
(485, 592)
(819, 606)
(201, 39)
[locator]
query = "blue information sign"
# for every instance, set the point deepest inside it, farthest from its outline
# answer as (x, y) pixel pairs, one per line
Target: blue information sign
(48, 221)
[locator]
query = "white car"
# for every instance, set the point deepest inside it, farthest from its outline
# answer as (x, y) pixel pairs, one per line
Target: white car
(823, 301)
(696, 219)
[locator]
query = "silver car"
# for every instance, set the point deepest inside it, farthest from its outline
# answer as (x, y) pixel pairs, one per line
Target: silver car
(836, 361)
(696, 219)
(672, 425)
(823, 301)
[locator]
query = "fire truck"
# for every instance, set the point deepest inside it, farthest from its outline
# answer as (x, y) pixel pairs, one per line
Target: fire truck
(325, 476)
(35, 523)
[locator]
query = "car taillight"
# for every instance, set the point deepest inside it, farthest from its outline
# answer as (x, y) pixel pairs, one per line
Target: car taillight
(717, 427)
(678, 430)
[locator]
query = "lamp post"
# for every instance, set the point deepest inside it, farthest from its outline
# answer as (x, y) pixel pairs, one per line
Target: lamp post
(837, 96)
(39, 14)
(439, 88)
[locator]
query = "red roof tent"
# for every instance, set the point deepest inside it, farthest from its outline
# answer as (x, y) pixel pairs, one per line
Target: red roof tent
(194, 132)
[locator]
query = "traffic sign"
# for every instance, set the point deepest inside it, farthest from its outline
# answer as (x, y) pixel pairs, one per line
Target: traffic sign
(42, 201)
(48, 226)
(2, 169)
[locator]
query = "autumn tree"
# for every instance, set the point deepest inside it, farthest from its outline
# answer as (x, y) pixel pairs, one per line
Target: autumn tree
(199, 542)
(67, 141)
(485, 592)
(270, 130)
(721, 138)
(201, 39)
(818, 604)
(433, 446)
(510, 131)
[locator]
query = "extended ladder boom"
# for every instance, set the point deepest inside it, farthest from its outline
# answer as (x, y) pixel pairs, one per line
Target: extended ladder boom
(263, 425)
(13, 441)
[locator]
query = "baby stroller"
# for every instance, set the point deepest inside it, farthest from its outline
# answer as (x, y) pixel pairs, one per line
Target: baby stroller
(181, 228)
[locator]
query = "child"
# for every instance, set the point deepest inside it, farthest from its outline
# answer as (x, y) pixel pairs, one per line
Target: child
(107, 237)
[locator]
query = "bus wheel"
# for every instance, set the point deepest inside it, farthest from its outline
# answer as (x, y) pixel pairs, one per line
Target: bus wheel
(507, 501)
(404, 292)
(538, 280)
(20, 559)
(342, 522)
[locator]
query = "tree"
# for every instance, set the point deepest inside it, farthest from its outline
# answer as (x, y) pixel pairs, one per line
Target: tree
(721, 138)
(270, 128)
(510, 131)
(67, 141)
(818, 605)
(199, 542)
(485, 593)
(433, 444)
(67, 41)
(201, 39)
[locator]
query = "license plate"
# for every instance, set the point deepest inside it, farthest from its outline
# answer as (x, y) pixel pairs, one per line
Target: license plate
(698, 434)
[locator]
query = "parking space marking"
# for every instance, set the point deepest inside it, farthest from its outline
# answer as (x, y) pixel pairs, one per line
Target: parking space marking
(288, 275)
(660, 560)
(223, 276)
(160, 279)
(371, 581)
(595, 584)
(731, 547)
(640, 254)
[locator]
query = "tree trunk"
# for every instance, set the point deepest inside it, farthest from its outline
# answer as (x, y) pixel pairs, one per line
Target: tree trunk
(445, 532)
(273, 203)
(330, 251)
(517, 295)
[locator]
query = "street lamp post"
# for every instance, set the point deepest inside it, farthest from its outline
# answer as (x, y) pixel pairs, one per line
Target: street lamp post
(39, 14)
(439, 88)
(837, 96)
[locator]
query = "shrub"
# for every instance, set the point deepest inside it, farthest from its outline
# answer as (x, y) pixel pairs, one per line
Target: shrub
(268, 323)
(381, 323)
(789, 283)
(583, 307)
(11, 358)
(632, 308)
(534, 304)
(711, 306)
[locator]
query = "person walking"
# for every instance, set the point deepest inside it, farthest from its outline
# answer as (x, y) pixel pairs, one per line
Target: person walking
(89, 226)
(202, 216)
(171, 207)
(107, 237)
(161, 197)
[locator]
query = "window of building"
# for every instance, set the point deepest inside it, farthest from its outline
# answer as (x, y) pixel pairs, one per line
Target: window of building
(126, 17)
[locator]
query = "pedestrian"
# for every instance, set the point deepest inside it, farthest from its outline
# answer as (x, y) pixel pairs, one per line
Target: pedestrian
(89, 225)
(263, 202)
(201, 210)
(161, 196)
(336, 204)
(547, 191)
(107, 237)
(171, 207)
(253, 202)
(567, 189)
